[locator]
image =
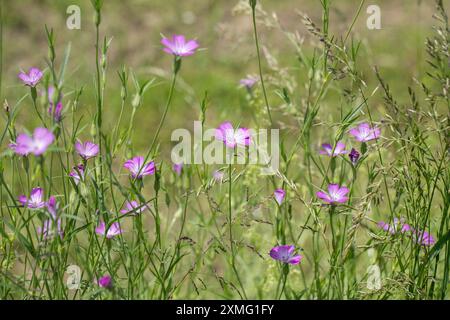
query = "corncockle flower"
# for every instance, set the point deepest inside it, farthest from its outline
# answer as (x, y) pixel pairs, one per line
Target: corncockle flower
(133, 207)
(248, 82)
(328, 149)
(77, 173)
(423, 238)
(279, 195)
(112, 231)
(178, 46)
(52, 206)
(398, 225)
(354, 156)
(31, 78)
(177, 167)
(35, 201)
(285, 254)
(138, 169)
(364, 132)
(36, 144)
(105, 281)
(232, 137)
(86, 150)
(336, 194)
(218, 176)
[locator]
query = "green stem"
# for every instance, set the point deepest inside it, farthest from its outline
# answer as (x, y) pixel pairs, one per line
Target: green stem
(166, 109)
(259, 65)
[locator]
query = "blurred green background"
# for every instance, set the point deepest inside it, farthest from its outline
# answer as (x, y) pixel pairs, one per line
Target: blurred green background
(222, 29)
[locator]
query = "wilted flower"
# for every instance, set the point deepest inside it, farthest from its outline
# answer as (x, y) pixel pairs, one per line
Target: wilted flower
(35, 201)
(112, 231)
(248, 82)
(177, 167)
(328, 149)
(77, 173)
(105, 281)
(138, 169)
(232, 137)
(364, 132)
(285, 254)
(133, 207)
(336, 194)
(354, 156)
(36, 144)
(178, 46)
(31, 78)
(86, 150)
(52, 206)
(279, 195)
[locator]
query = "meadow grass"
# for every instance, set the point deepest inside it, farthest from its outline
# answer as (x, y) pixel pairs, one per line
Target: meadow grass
(205, 231)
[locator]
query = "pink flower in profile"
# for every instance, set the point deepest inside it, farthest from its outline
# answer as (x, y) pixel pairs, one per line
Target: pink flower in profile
(232, 137)
(398, 225)
(364, 132)
(138, 169)
(285, 254)
(133, 207)
(327, 149)
(423, 238)
(109, 233)
(248, 82)
(218, 176)
(177, 167)
(36, 144)
(31, 78)
(105, 281)
(336, 194)
(178, 46)
(279, 195)
(35, 201)
(77, 173)
(87, 149)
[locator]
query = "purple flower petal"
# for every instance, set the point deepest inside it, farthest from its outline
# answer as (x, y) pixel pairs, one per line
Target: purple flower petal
(177, 167)
(231, 137)
(279, 195)
(32, 78)
(133, 207)
(105, 281)
(138, 169)
(178, 46)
